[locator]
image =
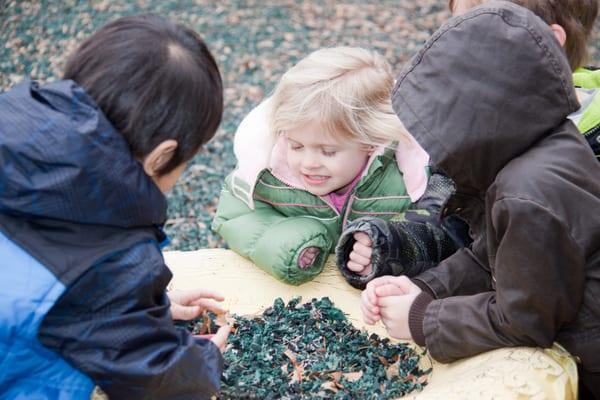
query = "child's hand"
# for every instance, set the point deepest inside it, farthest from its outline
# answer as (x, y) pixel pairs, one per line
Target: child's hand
(189, 304)
(308, 256)
(360, 257)
(395, 296)
(368, 306)
(370, 299)
(220, 337)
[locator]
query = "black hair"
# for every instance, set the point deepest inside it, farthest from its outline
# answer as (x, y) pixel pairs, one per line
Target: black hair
(154, 80)
(577, 18)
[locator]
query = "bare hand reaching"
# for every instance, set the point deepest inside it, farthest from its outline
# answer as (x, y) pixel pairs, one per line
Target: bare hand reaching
(189, 304)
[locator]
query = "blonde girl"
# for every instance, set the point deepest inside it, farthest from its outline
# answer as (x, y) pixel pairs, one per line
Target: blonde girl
(325, 149)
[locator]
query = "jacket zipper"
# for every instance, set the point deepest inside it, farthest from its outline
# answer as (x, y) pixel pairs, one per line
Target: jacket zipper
(589, 137)
(349, 204)
(322, 198)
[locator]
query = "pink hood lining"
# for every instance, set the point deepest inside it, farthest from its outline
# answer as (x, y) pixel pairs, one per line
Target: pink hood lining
(256, 150)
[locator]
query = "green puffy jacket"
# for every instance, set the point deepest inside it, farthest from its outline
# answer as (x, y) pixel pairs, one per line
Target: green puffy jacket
(270, 221)
(587, 119)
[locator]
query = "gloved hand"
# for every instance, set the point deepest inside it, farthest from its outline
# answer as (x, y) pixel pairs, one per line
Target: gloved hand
(360, 257)
(398, 248)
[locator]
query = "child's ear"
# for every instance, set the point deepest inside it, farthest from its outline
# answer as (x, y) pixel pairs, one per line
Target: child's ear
(159, 157)
(559, 33)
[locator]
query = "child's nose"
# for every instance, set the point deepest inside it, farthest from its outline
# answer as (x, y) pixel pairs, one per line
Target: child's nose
(311, 161)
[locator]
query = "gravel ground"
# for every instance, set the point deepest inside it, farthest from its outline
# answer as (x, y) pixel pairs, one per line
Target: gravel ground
(254, 42)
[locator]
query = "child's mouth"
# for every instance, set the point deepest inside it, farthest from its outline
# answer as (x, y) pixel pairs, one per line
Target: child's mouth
(315, 179)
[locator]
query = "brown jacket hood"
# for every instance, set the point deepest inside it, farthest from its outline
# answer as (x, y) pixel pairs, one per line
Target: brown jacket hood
(488, 98)
(485, 77)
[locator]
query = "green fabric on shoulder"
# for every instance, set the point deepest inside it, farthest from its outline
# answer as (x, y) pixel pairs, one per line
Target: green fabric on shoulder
(587, 82)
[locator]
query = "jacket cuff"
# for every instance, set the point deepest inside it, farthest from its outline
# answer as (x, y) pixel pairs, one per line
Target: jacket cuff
(424, 287)
(416, 315)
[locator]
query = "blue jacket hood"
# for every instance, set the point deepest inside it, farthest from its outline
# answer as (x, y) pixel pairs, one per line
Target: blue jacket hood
(62, 159)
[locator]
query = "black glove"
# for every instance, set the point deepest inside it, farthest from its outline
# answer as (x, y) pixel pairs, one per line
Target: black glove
(399, 248)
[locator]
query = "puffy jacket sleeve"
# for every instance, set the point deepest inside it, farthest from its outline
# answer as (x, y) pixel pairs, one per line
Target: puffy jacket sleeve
(114, 324)
(270, 239)
(539, 282)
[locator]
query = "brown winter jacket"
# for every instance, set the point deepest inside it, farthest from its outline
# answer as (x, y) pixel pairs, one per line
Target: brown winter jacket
(487, 97)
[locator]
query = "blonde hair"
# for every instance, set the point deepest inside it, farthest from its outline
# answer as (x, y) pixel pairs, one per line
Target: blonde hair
(346, 89)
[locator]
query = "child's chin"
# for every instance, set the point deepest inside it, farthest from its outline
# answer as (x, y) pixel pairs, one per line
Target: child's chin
(319, 191)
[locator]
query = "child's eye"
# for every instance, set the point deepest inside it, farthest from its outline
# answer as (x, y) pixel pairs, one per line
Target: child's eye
(329, 153)
(295, 147)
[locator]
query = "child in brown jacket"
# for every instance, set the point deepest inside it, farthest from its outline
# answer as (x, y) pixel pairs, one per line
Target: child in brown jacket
(488, 98)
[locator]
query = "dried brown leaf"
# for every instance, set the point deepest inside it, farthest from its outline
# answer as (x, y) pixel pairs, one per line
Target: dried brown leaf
(292, 356)
(336, 376)
(206, 323)
(353, 376)
(297, 373)
(330, 386)
(224, 319)
(392, 370)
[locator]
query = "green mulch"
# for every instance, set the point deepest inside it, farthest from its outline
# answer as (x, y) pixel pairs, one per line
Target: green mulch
(254, 42)
(310, 350)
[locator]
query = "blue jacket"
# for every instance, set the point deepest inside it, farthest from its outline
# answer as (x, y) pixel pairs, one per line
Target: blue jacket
(82, 278)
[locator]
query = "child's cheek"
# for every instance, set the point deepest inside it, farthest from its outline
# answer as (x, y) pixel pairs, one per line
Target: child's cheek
(292, 162)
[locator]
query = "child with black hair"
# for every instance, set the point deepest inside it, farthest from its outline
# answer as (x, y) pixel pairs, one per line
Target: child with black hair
(85, 163)
(572, 22)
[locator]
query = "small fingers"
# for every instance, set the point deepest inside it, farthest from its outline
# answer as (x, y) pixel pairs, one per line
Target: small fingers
(369, 317)
(389, 290)
(313, 251)
(361, 249)
(220, 338)
(185, 313)
(304, 260)
(388, 279)
(354, 266)
(211, 305)
(210, 294)
(366, 270)
(308, 256)
(359, 259)
(363, 238)
(370, 302)
(369, 292)
(189, 296)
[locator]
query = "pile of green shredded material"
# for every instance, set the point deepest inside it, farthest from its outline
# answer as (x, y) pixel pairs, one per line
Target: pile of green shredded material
(310, 350)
